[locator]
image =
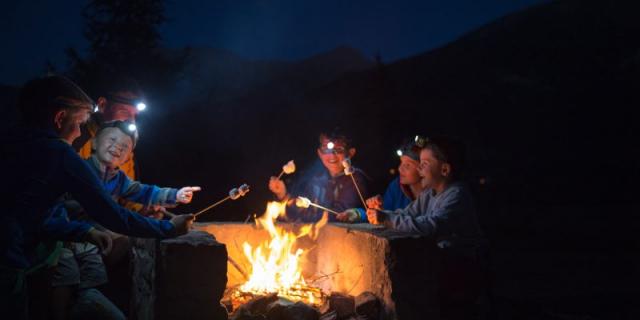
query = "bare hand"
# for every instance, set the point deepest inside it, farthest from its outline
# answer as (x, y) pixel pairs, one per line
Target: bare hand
(278, 187)
(375, 202)
(349, 215)
(185, 194)
(374, 216)
(156, 212)
(182, 223)
(100, 239)
(342, 216)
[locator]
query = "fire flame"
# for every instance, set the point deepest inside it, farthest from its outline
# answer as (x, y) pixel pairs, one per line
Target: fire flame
(275, 263)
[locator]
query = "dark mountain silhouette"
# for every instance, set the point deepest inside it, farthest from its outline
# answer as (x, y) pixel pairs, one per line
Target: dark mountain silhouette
(533, 94)
(217, 75)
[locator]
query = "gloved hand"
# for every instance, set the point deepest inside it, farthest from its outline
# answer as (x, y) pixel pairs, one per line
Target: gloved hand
(375, 202)
(186, 194)
(278, 188)
(182, 223)
(349, 215)
(100, 239)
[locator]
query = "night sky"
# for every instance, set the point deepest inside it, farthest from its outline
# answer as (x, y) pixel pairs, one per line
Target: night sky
(36, 31)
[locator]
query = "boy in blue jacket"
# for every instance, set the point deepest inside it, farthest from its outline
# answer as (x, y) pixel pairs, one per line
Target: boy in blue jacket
(80, 268)
(42, 166)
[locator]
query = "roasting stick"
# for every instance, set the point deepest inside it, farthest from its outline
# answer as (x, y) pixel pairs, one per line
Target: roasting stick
(303, 202)
(348, 170)
(237, 266)
(234, 194)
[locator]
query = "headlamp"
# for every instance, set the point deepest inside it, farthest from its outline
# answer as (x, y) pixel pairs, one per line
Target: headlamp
(330, 145)
(126, 127)
(412, 147)
(137, 102)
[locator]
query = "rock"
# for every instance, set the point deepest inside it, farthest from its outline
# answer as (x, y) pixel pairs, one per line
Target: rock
(343, 304)
(300, 311)
(191, 276)
(258, 305)
(331, 315)
(368, 305)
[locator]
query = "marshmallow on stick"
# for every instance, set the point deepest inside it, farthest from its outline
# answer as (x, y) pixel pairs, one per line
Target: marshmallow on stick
(302, 202)
(234, 194)
(288, 168)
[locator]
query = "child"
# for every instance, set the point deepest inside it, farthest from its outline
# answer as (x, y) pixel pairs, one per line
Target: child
(81, 268)
(401, 191)
(329, 186)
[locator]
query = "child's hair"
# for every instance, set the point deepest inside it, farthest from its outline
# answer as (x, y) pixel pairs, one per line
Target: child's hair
(412, 147)
(41, 98)
(448, 150)
(127, 127)
(337, 134)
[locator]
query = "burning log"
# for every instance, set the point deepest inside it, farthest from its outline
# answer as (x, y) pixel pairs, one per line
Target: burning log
(234, 194)
(257, 305)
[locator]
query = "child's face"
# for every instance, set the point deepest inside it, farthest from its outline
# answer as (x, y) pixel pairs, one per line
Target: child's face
(332, 158)
(113, 147)
(430, 169)
(408, 171)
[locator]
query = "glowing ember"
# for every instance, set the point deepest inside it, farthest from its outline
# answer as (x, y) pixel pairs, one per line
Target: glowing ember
(275, 263)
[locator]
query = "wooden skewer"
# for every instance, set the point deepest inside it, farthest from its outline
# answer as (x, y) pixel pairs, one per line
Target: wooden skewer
(359, 193)
(323, 208)
(211, 206)
(237, 266)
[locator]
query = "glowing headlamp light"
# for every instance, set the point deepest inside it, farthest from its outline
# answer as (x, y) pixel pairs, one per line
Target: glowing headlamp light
(330, 145)
(399, 153)
(132, 127)
(141, 106)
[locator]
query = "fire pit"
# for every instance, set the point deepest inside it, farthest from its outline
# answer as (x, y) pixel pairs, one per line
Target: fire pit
(344, 259)
(340, 269)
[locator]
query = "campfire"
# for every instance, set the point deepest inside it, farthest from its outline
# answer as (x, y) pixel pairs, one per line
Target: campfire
(275, 264)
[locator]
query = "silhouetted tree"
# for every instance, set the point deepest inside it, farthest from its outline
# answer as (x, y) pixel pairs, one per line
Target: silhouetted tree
(124, 41)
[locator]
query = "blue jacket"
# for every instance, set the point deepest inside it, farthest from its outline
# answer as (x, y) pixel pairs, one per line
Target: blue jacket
(120, 186)
(336, 193)
(395, 197)
(41, 168)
